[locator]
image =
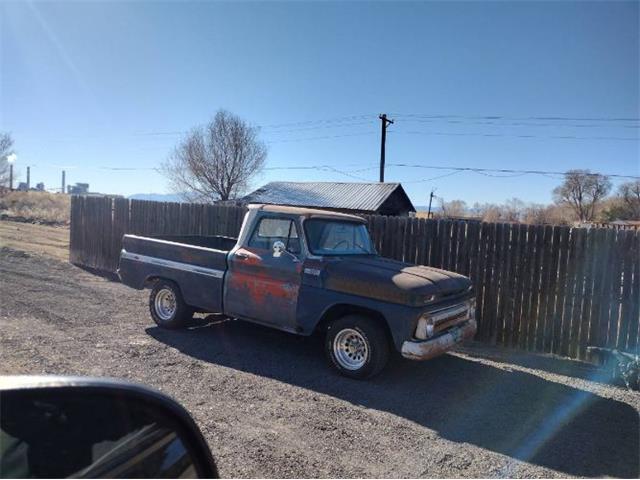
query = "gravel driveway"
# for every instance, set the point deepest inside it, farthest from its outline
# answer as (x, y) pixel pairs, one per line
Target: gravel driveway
(268, 405)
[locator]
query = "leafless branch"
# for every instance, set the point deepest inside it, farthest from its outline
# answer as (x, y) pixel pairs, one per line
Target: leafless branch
(583, 191)
(217, 161)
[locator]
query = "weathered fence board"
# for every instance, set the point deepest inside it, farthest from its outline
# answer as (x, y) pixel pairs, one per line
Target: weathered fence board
(541, 288)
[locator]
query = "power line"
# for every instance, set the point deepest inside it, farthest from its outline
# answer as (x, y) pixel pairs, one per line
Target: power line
(488, 172)
(324, 137)
(340, 125)
(416, 132)
(322, 124)
(517, 124)
(504, 117)
(347, 118)
(508, 170)
(433, 178)
(420, 117)
(510, 173)
(347, 174)
(501, 176)
(322, 168)
(491, 120)
(483, 134)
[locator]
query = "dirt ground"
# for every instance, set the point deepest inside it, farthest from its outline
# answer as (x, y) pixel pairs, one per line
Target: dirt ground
(269, 406)
(49, 241)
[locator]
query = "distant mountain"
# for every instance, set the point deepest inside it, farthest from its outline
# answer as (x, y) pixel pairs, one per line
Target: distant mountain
(157, 197)
(425, 208)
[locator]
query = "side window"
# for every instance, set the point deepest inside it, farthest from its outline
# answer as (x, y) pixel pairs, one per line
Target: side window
(270, 230)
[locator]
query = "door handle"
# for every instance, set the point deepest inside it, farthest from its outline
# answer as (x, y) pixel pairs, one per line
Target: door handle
(241, 256)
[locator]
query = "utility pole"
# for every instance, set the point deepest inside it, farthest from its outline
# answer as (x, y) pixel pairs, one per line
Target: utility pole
(63, 180)
(431, 195)
(385, 122)
(28, 178)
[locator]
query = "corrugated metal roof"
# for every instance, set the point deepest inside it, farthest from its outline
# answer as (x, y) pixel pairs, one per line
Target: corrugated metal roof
(349, 196)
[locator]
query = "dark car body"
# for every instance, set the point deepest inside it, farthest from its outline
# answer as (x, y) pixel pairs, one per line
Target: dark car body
(299, 292)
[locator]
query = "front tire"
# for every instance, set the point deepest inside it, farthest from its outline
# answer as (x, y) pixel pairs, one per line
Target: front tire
(357, 346)
(167, 307)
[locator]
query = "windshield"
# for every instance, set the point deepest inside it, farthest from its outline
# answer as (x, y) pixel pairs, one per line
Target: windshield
(334, 237)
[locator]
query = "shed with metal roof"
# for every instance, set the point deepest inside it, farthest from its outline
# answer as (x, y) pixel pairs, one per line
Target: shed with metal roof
(350, 197)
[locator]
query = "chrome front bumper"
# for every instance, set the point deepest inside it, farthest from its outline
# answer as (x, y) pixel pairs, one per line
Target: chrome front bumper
(426, 349)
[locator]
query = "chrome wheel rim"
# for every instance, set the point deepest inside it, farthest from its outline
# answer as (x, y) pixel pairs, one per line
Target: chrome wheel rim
(165, 304)
(350, 349)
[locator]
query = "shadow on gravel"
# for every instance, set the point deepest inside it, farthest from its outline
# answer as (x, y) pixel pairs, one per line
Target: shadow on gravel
(512, 413)
(548, 363)
(107, 275)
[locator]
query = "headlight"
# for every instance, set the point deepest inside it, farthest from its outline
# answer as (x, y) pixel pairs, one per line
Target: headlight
(425, 327)
(429, 299)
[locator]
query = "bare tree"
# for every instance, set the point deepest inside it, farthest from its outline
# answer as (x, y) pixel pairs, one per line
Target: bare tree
(488, 212)
(454, 208)
(510, 211)
(6, 149)
(217, 161)
(513, 210)
(554, 214)
(517, 211)
(625, 205)
(583, 191)
(629, 192)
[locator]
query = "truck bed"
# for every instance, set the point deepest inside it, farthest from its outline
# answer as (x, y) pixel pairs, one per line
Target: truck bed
(207, 241)
(197, 263)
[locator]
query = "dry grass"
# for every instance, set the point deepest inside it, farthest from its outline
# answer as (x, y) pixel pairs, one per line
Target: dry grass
(438, 216)
(43, 240)
(38, 207)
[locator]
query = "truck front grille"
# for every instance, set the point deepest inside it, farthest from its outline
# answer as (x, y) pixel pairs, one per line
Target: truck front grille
(450, 316)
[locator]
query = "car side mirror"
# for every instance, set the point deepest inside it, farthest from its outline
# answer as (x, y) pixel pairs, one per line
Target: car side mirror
(92, 428)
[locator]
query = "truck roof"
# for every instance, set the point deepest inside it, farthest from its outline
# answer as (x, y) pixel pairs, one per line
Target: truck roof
(306, 212)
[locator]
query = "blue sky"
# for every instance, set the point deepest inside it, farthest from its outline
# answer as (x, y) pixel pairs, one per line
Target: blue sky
(90, 86)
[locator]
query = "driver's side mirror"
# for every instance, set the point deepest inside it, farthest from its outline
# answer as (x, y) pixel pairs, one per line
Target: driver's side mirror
(88, 427)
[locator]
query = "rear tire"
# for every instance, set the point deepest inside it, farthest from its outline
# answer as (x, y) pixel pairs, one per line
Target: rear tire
(167, 306)
(357, 346)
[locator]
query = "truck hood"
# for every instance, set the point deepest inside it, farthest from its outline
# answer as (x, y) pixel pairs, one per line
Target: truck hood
(392, 281)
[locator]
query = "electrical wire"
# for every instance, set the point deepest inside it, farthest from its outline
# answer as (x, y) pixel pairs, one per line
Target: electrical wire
(517, 124)
(510, 173)
(346, 118)
(278, 129)
(434, 178)
(479, 134)
(501, 176)
(324, 137)
(508, 170)
(322, 168)
(504, 117)
(301, 129)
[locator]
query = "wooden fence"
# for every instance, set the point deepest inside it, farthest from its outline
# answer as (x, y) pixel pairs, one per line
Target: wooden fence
(551, 289)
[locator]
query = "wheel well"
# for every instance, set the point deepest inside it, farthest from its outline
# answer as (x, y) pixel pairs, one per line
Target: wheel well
(340, 310)
(150, 281)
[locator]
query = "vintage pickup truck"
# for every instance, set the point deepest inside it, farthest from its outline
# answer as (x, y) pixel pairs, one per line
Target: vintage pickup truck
(306, 271)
